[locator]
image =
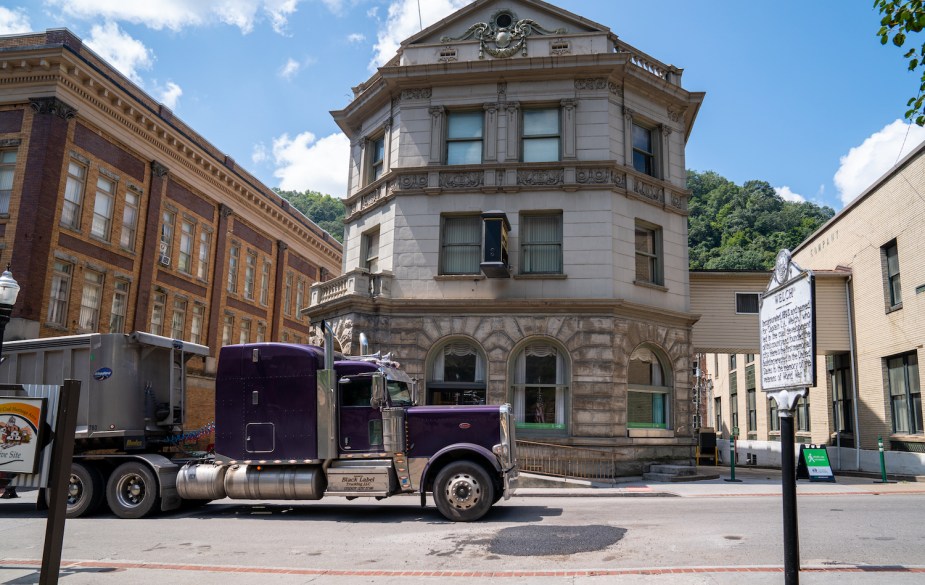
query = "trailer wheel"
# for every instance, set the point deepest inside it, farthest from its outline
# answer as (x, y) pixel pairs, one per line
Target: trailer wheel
(132, 490)
(84, 491)
(463, 491)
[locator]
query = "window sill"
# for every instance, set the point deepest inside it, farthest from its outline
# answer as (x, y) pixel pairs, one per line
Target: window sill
(651, 285)
(640, 433)
(56, 327)
(895, 307)
(451, 277)
(550, 276)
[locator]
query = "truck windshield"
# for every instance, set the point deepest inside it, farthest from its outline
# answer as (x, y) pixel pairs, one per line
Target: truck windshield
(399, 392)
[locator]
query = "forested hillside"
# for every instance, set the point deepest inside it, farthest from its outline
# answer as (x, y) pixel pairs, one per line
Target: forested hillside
(732, 227)
(324, 210)
(736, 227)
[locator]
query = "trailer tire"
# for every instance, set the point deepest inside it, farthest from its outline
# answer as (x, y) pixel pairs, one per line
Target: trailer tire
(463, 491)
(84, 491)
(132, 490)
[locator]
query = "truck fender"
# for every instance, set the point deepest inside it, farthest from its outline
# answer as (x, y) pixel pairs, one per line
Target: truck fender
(458, 451)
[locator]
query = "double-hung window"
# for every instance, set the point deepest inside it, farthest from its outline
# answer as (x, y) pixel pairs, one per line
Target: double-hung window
(185, 257)
(370, 251)
(464, 138)
(648, 241)
(376, 158)
(196, 323)
(158, 307)
(890, 255)
(541, 243)
(265, 284)
(461, 244)
(60, 291)
(205, 243)
(648, 401)
(644, 150)
(905, 393)
(7, 170)
(129, 221)
(119, 305)
(250, 274)
(90, 300)
(73, 195)
(227, 328)
(802, 415)
(541, 135)
(178, 319)
(233, 259)
(103, 208)
(168, 219)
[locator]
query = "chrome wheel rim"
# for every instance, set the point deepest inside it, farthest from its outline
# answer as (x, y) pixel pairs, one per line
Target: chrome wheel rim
(75, 490)
(131, 490)
(463, 491)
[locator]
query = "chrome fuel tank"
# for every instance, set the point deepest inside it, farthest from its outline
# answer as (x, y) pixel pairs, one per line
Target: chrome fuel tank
(201, 481)
(261, 482)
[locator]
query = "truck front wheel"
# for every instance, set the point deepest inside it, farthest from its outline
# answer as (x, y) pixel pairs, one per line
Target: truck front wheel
(463, 491)
(132, 490)
(84, 491)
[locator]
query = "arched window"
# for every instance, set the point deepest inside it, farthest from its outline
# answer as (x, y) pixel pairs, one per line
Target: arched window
(457, 374)
(648, 397)
(540, 388)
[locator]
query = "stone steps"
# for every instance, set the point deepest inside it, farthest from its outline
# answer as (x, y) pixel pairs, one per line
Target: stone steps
(668, 473)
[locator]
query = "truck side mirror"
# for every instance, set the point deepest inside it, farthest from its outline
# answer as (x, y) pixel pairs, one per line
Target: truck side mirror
(378, 398)
(414, 392)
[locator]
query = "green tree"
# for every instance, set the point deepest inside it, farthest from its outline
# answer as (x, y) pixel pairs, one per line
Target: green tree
(326, 211)
(899, 20)
(733, 227)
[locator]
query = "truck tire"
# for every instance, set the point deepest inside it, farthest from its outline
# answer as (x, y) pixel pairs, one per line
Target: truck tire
(84, 491)
(132, 490)
(463, 491)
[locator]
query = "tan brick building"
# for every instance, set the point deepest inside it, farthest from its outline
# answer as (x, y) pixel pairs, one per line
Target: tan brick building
(869, 262)
(116, 216)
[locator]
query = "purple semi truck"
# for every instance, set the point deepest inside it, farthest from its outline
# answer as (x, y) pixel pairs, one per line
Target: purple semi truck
(293, 423)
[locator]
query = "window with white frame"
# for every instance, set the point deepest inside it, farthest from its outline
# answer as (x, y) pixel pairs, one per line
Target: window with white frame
(73, 195)
(265, 284)
(648, 400)
(644, 150)
(376, 158)
(370, 250)
(648, 240)
(178, 319)
(103, 206)
(541, 243)
(7, 174)
(185, 256)
(158, 308)
(464, 138)
(60, 292)
(205, 244)
(299, 296)
(261, 332)
(905, 393)
(287, 296)
(457, 374)
(244, 335)
(196, 322)
(250, 274)
(540, 135)
(461, 244)
(119, 306)
(227, 329)
(129, 221)
(168, 220)
(234, 257)
(890, 255)
(90, 300)
(540, 391)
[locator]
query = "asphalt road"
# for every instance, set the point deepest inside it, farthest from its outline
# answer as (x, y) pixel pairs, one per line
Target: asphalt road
(356, 539)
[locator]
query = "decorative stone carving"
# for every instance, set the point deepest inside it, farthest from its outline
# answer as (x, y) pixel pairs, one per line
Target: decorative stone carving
(502, 91)
(648, 191)
(504, 35)
(408, 182)
(600, 176)
(560, 46)
(628, 113)
(107, 173)
(619, 179)
(8, 142)
(421, 93)
(615, 88)
(676, 115)
(595, 83)
(159, 169)
(540, 177)
(52, 105)
(462, 180)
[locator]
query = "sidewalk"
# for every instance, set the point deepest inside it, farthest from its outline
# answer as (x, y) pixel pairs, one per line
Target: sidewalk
(750, 482)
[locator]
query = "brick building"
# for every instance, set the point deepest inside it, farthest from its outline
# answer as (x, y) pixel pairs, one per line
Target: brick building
(116, 216)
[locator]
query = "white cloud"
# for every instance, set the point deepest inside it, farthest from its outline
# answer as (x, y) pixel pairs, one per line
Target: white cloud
(403, 21)
(787, 195)
(123, 52)
(356, 38)
(289, 70)
(866, 163)
(303, 163)
(259, 153)
(178, 14)
(14, 21)
(170, 95)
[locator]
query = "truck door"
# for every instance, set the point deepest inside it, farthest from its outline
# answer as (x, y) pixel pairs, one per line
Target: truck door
(360, 424)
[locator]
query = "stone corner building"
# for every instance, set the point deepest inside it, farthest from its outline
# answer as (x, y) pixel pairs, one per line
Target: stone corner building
(516, 230)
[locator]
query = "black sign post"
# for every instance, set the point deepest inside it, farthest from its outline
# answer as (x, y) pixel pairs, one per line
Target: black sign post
(788, 368)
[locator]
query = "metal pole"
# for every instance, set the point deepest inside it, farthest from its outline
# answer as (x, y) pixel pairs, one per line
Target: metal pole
(732, 459)
(789, 489)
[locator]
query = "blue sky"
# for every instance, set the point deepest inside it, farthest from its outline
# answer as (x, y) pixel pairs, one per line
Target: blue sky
(799, 94)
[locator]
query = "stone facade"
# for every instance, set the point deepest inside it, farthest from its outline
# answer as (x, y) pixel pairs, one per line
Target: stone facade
(599, 301)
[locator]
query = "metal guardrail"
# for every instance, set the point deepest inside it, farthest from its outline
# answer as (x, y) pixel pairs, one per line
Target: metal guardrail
(566, 461)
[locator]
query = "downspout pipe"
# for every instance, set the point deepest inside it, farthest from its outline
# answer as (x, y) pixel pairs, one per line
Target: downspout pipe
(854, 375)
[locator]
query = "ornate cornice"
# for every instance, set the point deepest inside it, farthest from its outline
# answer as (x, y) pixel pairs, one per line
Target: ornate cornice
(595, 83)
(421, 93)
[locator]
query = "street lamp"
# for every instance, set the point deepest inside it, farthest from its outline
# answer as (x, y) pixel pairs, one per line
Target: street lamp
(9, 290)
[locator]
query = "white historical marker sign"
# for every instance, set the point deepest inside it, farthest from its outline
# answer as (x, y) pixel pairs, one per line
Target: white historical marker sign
(788, 328)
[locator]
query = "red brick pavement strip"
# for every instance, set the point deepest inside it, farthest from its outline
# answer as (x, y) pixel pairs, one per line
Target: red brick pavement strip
(810, 494)
(23, 563)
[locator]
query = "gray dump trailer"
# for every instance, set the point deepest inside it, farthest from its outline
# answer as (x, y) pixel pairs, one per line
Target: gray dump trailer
(132, 410)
